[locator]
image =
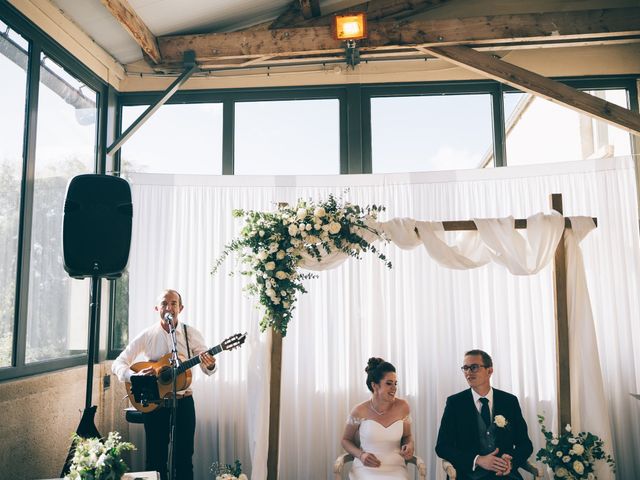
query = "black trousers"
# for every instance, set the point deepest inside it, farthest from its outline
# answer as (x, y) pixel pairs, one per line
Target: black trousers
(156, 428)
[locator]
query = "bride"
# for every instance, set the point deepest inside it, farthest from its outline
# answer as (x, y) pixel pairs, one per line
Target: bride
(378, 431)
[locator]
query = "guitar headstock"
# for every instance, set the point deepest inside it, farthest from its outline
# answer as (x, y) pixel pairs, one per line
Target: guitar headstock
(234, 341)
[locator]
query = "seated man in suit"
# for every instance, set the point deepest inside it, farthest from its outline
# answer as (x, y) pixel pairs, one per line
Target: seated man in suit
(482, 432)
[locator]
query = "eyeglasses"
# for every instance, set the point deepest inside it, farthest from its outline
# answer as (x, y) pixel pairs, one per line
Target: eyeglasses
(473, 368)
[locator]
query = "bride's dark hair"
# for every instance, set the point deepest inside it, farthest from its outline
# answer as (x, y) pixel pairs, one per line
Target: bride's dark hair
(376, 369)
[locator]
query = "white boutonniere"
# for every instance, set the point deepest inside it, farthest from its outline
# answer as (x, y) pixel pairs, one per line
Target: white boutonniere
(500, 421)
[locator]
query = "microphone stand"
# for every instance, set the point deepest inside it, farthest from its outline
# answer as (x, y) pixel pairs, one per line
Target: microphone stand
(174, 400)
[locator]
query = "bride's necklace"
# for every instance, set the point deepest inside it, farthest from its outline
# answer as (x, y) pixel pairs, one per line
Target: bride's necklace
(374, 408)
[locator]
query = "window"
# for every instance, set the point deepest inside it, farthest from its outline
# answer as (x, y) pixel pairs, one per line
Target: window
(539, 131)
(58, 306)
(185, 139)
(423, 133)
(293, 137)
(13, 87)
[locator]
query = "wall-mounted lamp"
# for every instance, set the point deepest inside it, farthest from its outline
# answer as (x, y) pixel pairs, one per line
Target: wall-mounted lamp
(350, 27)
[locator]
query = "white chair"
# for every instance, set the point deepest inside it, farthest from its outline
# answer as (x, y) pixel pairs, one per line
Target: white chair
(527, 467)
(345, 458)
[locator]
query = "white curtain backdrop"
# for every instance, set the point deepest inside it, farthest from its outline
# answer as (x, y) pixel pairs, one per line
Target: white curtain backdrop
(418, 315)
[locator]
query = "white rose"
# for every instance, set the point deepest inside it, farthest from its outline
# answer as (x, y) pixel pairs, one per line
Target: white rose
(561, 472)
(566, 459)
(500, 421)
(308, 227)
(262, 255)
(270, 292)
(280, 255)
(270, 266)
(577, 449)
(572, 440)
(334, 227)
(555, 441)
(281, 275)
(303, 234)
(312, 239)
(261, 233)
(293, 229)
(301, 213)
(319, 212)
(558, 454)
(591, 476)
(578, 467)
(317, 226)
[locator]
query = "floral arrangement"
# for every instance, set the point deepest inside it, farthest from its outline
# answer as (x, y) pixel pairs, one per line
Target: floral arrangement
(572, 456)
(95, 459)
(228, 472)
(273, 245)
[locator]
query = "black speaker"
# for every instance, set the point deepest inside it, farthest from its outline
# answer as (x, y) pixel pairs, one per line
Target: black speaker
(96, 232)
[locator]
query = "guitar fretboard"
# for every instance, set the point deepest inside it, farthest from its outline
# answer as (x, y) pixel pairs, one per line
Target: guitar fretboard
(193, 361)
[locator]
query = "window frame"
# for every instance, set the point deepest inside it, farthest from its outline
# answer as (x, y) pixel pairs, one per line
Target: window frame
(40, 43)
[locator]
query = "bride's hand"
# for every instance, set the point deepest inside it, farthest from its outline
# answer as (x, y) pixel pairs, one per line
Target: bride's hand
(369, 460)
(406, 451)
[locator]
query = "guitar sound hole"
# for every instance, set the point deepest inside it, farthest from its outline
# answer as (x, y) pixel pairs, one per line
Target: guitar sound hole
(164, 377)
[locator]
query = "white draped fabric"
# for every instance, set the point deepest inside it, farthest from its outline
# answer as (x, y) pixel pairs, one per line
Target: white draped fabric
(419, 315)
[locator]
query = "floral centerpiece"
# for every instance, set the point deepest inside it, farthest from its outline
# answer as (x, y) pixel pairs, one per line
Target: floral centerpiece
(572, 456)
(273, 246)
(222, 471)
(95, 459)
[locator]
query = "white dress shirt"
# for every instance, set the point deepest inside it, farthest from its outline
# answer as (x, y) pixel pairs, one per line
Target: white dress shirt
(154, 342)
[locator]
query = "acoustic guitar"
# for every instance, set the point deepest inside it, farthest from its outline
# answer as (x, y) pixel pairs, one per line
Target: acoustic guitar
(164, 376)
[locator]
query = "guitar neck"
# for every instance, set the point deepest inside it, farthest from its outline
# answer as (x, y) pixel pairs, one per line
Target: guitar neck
(193, 361)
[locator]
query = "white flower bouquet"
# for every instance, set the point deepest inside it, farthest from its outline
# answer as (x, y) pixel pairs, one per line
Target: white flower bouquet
(273, 245)
(223, 471)
(95, 459)
(572, 456)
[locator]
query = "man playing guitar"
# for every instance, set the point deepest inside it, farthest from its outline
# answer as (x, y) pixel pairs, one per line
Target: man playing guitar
(152, 344)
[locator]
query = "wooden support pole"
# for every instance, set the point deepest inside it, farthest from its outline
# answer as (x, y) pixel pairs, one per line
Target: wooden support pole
(274, 404)
(562, 325)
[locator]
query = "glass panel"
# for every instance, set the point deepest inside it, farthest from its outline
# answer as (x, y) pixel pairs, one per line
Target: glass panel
(183, 139)
(120, 336)
(58, 306)
(294, 137)
(445, 132)
(13, 87)
(539, 131)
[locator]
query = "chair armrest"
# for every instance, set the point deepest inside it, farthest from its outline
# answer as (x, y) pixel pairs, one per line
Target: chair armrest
(420, 466)
(449, 470)
(340, 461)
(533, 470)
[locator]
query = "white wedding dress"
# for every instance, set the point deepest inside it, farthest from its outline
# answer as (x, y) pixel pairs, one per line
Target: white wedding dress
(384, 443)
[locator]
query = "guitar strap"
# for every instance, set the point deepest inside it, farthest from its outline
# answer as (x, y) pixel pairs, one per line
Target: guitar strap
(186, 339)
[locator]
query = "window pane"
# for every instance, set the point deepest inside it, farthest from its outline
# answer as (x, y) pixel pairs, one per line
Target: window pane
(58, 307)
(568, 135)
(445, 132)
(120, 336)
(13, 84)
(175, 139)
(294, 137)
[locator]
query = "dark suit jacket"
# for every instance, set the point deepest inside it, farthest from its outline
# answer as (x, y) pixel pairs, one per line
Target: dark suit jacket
(458, 437)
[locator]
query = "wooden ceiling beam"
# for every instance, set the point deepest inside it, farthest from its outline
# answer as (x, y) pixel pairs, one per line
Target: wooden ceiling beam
(588, 25)
(133, 24)
(528, 81)
(294, 16)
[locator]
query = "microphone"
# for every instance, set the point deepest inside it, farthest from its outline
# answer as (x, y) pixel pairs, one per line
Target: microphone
(168, 317)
